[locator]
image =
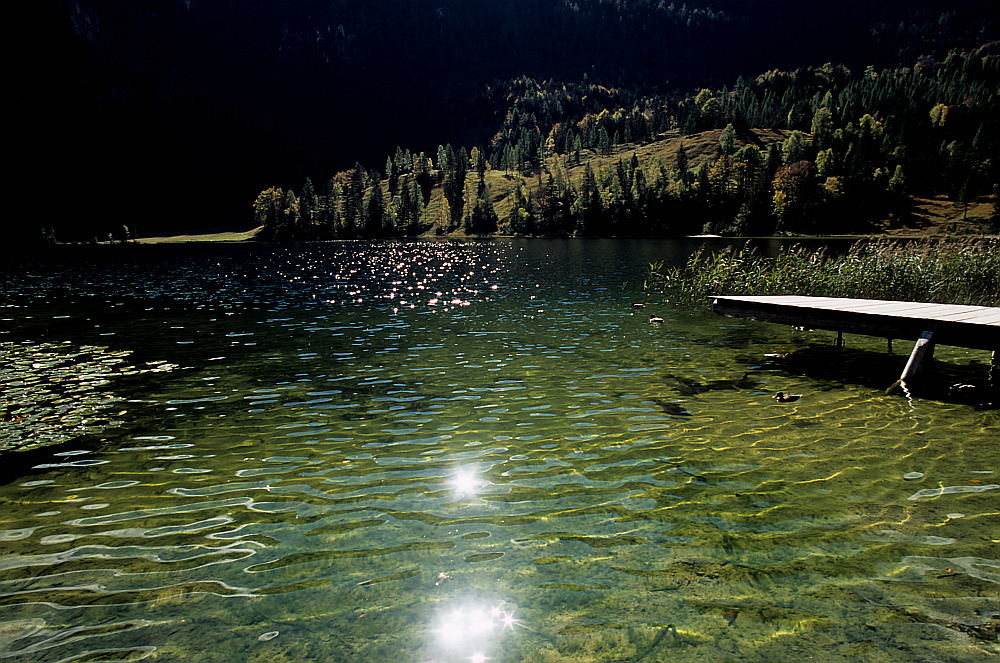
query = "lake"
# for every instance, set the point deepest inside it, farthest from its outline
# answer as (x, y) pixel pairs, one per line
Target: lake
(469, 451)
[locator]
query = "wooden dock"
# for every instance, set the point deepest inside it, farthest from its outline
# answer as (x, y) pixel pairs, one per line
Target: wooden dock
(962, 326)
(927, 324)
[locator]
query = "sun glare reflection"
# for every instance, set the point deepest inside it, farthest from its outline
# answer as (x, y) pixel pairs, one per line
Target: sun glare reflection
(466, 482)
(471, 628)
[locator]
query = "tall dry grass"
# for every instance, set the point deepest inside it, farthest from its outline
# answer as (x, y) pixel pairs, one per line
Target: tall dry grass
(950, 271)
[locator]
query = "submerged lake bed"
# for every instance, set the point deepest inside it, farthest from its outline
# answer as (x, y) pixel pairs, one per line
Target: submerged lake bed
(455, 451)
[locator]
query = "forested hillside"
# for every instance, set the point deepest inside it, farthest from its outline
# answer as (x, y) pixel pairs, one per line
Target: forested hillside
(170, 114)
(814, 150)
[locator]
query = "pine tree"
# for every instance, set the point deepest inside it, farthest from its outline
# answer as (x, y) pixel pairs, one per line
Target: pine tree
(588, 220)
(822, 127)
(308, 202)
(423, 178)
(443, 157)
(794, 147)
(478, 161)
(603, 142)
(267, 211)
(375, 212)
(681, 165)
(522, 216)
(897, 182)
(403, 210)
(727, 140)
(454, 187)
(392, 172)
(290, 216)
(348, 211)
(416, 208)
(483, 218)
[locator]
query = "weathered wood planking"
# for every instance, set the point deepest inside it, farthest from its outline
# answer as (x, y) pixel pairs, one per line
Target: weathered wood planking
(962, 326)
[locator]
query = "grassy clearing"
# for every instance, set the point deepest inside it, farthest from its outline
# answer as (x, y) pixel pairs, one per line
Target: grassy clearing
(700, 147)
(951, 271)
(940, 215)
(243, 236)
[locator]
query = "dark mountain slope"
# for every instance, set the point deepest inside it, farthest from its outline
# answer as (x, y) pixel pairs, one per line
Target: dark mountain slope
(166, 113)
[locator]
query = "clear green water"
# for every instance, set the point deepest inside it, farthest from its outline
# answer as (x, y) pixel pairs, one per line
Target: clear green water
(481, 451)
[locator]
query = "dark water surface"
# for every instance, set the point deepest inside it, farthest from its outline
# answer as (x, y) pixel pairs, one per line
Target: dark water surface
(431, 451)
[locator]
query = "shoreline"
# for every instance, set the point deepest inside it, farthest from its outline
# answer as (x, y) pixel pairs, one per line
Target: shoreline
(248, 236)
(931, 217)
(245, 236)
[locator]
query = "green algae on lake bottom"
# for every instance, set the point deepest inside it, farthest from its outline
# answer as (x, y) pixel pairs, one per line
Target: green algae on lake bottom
(53, 392)
(538, 477)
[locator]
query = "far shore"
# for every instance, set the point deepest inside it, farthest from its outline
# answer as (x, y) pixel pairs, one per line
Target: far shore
(248, 236)
(244, 236)
(929, 217)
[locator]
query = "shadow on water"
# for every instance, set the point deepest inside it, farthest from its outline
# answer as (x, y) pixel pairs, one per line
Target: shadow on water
(686, 386)
(956, 378)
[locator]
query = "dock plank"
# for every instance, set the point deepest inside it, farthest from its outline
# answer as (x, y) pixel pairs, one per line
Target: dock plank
(952, 324)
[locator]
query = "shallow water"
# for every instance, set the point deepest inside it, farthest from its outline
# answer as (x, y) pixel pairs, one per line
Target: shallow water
(430, 451)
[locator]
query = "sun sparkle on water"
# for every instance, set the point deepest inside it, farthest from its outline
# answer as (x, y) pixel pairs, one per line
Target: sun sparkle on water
(471, 627)
(367, 469)
(466, 482)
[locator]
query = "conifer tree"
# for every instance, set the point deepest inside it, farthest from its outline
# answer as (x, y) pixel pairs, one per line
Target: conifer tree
(348, 211)
(375, 212)
(478, 161)
(822, 127)
(454, 186)
(681, 165)
(603, 142)
(290, 216)
(588, 221)
(483, 218)
(267, 211)
(308, 202)
(416, 208)
(392, 172)
(727, 140)
(423, 177)
(444, 155)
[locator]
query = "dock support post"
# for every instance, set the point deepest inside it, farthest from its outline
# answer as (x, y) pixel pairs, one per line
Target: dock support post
(840, 340)
(994, 375)
(922, 346)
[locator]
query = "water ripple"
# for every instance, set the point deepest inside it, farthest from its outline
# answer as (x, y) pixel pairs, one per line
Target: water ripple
(410, 450)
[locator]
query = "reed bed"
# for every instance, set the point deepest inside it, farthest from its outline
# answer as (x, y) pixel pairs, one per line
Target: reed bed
(947, 271)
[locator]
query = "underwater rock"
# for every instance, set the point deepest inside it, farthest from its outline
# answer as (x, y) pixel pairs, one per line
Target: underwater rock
(672, 409)
(686, 386)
